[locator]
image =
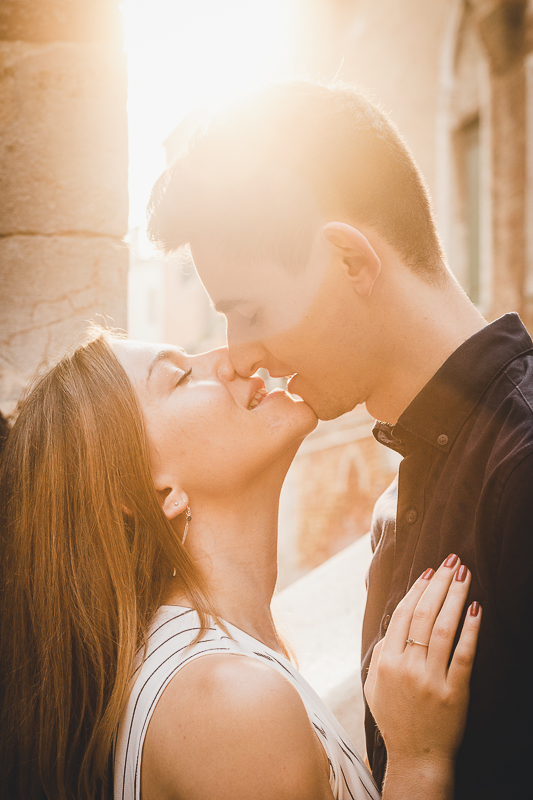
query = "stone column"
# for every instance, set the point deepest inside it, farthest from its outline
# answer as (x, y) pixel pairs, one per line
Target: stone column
(503, 28)
(63, 179)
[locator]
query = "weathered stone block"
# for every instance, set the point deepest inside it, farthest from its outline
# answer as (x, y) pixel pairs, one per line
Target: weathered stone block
(60, 20)
(63, 139)
(51, 288)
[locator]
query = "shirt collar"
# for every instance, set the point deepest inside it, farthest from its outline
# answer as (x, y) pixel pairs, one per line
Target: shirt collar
(439, 411)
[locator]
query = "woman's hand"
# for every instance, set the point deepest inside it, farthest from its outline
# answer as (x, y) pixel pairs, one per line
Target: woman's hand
(418, 697)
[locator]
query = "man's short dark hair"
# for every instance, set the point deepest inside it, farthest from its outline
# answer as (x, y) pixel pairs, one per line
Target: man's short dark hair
(267, 170)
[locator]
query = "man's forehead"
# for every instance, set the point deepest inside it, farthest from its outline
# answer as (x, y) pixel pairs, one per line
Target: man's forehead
(226, 297)
(230, 283)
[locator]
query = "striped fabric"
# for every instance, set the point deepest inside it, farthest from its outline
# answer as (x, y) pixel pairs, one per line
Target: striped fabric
(169, 649)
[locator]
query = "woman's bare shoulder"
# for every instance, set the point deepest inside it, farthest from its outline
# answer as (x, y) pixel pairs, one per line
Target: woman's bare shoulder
(229, 726)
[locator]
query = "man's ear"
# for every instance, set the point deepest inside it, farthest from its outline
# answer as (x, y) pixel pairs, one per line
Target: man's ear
(358, 258)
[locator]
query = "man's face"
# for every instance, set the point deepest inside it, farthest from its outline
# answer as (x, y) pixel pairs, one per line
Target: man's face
(306, 325)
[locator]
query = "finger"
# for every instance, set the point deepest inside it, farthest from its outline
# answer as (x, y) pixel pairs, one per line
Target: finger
(430, 604)
(372, 672)
(398, 629)
(463, 657)
(446, 624)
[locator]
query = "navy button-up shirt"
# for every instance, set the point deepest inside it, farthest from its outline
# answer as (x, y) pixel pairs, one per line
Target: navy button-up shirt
(465, 486)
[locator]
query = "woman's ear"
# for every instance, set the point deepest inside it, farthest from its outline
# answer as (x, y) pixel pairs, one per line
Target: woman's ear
(357, 257)
(172, 499)
(173, 502)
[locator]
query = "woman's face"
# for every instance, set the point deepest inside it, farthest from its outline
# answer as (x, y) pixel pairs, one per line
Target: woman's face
(209, 430)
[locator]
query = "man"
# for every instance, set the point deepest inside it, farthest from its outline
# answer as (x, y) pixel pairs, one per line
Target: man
(313, 233)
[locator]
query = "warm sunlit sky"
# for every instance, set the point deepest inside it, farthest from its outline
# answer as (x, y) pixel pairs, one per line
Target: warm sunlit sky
(186, 53)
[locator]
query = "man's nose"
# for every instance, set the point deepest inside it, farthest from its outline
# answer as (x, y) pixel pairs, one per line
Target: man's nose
(223, 366)
(247, 357)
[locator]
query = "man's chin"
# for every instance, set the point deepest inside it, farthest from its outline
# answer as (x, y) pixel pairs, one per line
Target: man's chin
(325, 414)
(324, 406)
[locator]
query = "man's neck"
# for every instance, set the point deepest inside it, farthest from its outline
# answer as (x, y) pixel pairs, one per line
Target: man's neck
(427, 325)
(234, 545)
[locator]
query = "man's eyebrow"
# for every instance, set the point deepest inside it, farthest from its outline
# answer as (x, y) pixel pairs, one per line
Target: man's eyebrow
(163, 355)
(223, 306)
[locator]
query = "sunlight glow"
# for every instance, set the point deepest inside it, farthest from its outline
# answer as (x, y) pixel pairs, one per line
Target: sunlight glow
(184, 54)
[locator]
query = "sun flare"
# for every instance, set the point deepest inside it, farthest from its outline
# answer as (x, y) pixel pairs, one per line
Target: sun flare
(184, 54)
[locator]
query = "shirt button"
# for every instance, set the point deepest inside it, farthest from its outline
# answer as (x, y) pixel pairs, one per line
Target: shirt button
(385, 623)
(442, 439)
(411, 516)
(379, 739)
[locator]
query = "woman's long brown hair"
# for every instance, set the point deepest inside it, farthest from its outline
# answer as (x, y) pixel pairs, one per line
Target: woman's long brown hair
(80, 578)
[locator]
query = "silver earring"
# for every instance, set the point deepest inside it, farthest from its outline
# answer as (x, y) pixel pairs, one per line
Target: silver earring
(187, 520)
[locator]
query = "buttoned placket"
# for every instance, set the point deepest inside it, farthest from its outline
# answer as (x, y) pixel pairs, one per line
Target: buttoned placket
(410, 514)
(409, 520)
(412, 482)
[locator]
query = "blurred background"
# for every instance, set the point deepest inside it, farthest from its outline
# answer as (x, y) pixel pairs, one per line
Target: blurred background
(453, 74)
(97, 96)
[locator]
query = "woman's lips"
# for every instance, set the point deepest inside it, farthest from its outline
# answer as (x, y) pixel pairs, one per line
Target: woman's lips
(266, 396)
(262, 392)
(256, 399)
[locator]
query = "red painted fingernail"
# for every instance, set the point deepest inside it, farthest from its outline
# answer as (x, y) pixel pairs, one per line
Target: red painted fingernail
(451, 561)
(474, 609)
(427, 574)
(461, 574)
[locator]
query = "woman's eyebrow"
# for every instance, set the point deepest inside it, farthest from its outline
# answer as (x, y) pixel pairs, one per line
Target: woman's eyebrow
(164, 355)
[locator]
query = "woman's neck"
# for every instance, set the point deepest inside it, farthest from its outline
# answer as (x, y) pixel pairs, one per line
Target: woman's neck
(234, 544)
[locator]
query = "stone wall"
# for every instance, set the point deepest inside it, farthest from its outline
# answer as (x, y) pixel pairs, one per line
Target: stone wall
(63, 179)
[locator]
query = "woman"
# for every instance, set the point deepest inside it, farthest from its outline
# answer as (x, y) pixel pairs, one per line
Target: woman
(139, 495)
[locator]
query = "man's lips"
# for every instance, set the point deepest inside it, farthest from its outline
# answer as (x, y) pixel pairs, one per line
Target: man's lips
(290, 380)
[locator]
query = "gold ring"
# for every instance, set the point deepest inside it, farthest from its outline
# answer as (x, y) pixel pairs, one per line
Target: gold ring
(412, 641)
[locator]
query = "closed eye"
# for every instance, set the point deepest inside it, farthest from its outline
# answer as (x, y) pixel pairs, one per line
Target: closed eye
(253, 320)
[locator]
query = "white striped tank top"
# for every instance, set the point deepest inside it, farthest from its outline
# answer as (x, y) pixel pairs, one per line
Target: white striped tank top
(173, 630)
